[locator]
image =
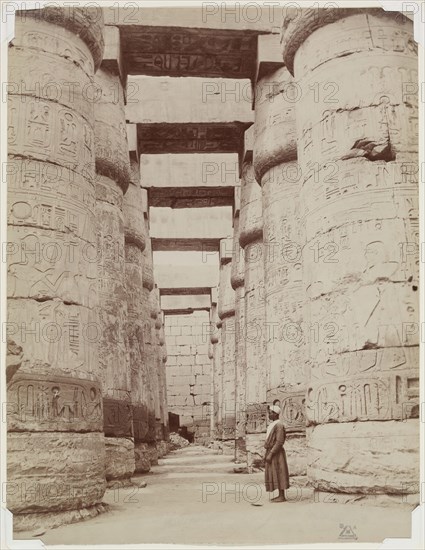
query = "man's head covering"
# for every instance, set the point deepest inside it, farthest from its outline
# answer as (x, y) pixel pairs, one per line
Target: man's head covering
(275, 409)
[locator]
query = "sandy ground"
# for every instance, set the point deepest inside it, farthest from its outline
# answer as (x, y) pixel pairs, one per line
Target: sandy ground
(193, 497)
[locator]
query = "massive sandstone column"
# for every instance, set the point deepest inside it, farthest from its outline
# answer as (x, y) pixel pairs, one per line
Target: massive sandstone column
(135, 242)
(217, 371)
(276, 169)
(145, 447)
(160, 426)
(226, 313)
(112, 180)
(237, 280)
(251, 240)
(154, 360)
(357, 149)
(55, 440)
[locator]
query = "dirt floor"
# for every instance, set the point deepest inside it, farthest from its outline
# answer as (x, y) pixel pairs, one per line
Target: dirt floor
(194, 497)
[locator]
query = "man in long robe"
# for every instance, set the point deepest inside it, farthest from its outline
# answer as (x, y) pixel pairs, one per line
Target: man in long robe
(276, 472)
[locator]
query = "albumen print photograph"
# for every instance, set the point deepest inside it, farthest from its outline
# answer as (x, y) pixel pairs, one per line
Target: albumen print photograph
(211, 256)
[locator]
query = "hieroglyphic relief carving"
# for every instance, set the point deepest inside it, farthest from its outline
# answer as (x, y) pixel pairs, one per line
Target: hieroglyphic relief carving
(43, 403)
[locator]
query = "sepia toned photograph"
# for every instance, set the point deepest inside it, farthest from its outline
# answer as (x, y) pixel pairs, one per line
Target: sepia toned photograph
(212, 252)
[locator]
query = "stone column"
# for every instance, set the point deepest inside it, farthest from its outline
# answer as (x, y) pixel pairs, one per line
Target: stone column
(357, 149)
(226, 313)
(211, 341)
(251, 240)
(155, 324)
(276, 169)
(135, 242)
(113, 177)
(145, 447)
(55, 439)
(164, 357)
(218, 374)
(160, 435)
(237, 280)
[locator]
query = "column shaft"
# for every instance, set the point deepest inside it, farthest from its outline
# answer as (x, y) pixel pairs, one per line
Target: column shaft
(358, 152)
(54, 393)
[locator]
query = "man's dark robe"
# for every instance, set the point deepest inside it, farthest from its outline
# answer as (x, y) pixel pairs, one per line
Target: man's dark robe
(276, 473)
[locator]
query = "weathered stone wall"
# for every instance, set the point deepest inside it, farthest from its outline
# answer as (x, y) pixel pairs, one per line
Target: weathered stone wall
(188, 370)
(358, 157)
(276, 169)
(54, 394)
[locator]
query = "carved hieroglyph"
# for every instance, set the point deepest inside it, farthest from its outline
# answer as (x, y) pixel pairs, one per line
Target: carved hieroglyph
(238, 281)
(113, 178)
(357, 151)
(226, 312)
(54, 394)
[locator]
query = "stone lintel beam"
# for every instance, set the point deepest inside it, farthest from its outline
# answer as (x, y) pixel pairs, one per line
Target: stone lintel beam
(185, 279)
(133, 147)
(191, 137)
(191, 223)
(112, 57)
(187, 302)
(269, 60)
(183, 51)
(269, 57)
(191, 197)
(236, 201)
(184, 291)
(182, 100)
(248, 148)
(212, 16)
(226, 250)
(173, 244)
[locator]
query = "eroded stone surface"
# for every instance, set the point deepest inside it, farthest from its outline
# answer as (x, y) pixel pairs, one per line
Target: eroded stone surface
(361, 457)
(119, 458)
(69, 472)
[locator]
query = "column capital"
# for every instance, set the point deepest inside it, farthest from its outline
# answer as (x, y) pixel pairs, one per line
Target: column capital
(300, 24)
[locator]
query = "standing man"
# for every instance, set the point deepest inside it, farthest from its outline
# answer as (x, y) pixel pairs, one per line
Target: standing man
(276, 473)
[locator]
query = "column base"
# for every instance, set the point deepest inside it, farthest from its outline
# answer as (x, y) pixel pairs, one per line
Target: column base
(162, 448)
(296, 454)
(240, 451)
(381, 500)
(255, 451)
(366, 458)
(41, 521)
(141, 455)
(152, 454)
(119, 461)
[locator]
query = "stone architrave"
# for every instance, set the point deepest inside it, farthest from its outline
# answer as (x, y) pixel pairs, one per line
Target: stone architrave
(276, 170)
(357, 131)
(237, 281)
(226, 313)
(55, 419)
(112, 180)
(251, 240)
